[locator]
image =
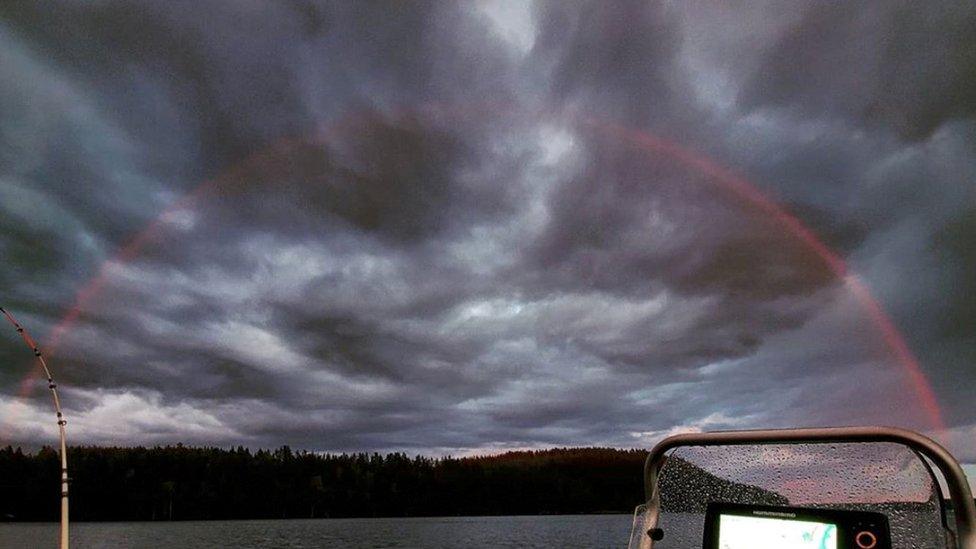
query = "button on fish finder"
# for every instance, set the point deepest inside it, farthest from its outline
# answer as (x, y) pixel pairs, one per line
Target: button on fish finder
(866, 540)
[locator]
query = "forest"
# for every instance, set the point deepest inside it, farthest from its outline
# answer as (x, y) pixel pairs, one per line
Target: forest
(188, 483)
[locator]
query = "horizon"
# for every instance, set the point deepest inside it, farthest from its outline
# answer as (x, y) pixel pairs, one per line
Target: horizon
(968, 468)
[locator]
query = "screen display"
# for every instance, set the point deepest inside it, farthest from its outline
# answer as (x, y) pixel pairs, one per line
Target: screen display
(751, 532)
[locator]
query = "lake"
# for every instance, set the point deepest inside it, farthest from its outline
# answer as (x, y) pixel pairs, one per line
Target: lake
(523, 531)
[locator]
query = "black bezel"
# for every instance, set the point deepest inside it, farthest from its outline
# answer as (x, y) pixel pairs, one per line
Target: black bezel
(849, 523)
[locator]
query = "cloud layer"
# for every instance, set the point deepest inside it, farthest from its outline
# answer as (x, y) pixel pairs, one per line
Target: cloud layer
(414, 227)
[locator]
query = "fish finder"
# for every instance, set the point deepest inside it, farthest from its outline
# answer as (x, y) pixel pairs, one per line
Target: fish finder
(736, 526)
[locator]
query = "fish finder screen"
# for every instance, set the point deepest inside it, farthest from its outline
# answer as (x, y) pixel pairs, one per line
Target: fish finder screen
(751, 532)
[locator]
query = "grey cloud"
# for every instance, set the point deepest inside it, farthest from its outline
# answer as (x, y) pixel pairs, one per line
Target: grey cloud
(894, 63)
(617, 58)
(391, 248)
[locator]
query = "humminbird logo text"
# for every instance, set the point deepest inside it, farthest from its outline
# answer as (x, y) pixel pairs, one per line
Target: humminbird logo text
(774, 514)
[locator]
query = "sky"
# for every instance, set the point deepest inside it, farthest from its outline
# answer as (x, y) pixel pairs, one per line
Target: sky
(457, 228)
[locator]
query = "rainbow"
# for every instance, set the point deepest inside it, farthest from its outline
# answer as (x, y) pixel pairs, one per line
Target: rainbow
(715, 174)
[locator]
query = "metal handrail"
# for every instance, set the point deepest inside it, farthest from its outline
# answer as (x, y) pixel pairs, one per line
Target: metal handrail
(959, 492)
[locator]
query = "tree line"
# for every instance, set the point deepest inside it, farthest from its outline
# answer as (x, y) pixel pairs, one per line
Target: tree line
(189, 483)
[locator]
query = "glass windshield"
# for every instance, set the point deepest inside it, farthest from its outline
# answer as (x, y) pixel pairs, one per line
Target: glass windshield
(883, 478)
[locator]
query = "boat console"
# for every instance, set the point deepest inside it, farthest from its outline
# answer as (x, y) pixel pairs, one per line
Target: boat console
(731, 526)
(834, 488)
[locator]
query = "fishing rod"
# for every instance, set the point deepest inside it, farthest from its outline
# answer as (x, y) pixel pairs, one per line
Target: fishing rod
(61, 423)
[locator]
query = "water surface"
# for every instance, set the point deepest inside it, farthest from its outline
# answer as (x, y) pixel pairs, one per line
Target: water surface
(444, 532)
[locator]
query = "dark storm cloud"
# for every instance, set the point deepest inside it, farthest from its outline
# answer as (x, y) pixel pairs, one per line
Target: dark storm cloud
(617, 58)
(870, 132)
(893, 64)
(401, 238)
